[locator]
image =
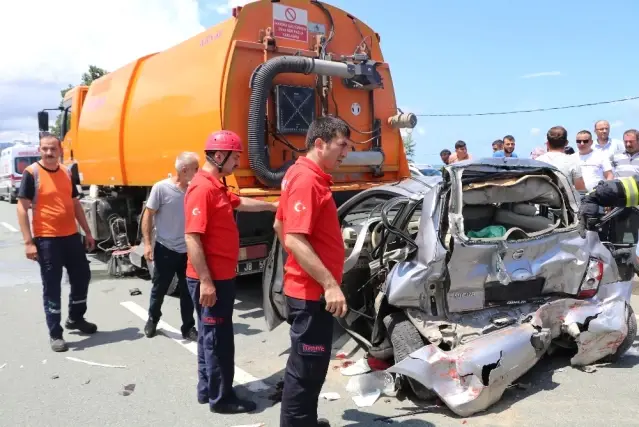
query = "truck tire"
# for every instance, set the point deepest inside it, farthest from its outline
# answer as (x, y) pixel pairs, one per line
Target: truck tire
(13, 199)
(630, 338)
(406, 339)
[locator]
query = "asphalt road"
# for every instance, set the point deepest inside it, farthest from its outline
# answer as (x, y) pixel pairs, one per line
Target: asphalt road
(42, 388)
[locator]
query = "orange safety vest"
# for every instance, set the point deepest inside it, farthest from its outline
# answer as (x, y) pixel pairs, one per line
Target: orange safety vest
(52, 204)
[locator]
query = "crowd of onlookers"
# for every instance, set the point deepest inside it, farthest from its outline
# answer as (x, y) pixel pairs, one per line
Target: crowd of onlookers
(597, 158)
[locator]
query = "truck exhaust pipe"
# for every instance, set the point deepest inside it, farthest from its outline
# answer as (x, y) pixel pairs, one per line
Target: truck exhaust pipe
(261, 83)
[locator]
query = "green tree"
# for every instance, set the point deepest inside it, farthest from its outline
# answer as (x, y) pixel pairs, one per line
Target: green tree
(409, 146)
(92, 74)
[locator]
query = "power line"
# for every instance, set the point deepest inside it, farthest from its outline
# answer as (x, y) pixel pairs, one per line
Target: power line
(565, 107)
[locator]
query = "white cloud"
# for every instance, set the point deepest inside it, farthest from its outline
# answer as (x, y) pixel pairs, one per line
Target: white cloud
(64, 38)
(226, 8)
(535, 131)
(616, 124)
(542, 74)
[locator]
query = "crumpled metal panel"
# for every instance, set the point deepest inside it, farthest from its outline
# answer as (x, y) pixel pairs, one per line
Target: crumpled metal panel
(409, 282)
(473, 376)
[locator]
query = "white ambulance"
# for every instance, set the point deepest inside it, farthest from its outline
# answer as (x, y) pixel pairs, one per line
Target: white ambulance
(13, 160)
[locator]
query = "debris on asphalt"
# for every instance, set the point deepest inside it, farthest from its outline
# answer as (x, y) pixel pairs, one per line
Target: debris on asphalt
(128, 389)
(44, 362)
(55, 377)
(135, 291)
(87, 382)
(3, 366)
(355, 368)
(341, 355)
(367, 388)
(21, 366)
(330, 396)
(105, 365)
(588, 369)
(389, 419)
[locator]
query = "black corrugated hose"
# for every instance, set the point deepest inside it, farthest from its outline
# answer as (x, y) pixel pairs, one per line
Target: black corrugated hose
(261, 84)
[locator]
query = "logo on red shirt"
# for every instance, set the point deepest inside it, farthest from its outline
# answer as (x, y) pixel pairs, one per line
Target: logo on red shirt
(299, 206)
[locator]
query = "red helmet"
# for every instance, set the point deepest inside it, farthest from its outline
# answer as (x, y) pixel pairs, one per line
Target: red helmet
(223, 140)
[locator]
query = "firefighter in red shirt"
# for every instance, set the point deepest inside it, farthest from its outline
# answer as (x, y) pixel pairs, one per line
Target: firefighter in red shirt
(308, 225)
(213, 244)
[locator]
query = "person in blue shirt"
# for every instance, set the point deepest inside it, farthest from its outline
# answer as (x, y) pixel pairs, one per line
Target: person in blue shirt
(509, 148)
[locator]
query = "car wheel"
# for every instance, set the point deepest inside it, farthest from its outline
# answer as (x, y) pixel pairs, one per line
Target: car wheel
(406, 339)
(630, 338)
(13, 199)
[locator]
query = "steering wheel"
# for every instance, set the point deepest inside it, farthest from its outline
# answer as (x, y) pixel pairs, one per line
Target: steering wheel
(376, 234)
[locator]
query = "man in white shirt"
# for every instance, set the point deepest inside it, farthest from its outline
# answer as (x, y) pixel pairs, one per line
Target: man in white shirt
(569, 165)
(627, 162)
(605, 144)
(595, 165)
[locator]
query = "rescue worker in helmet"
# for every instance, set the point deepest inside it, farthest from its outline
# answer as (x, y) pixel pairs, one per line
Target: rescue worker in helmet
(212, 240)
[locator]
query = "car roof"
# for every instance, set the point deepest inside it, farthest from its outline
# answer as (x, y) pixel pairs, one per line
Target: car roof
(501, 162)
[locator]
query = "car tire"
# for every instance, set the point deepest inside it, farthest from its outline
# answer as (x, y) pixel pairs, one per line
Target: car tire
(406, 339)
(13, 199)
(630, 338)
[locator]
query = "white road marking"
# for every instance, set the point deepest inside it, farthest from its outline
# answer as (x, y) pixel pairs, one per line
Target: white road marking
(241, 377)
(9, 227)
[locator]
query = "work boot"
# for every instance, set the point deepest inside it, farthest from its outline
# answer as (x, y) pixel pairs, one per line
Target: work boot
(58, 345)
(81, 325)
(235, 406)
(150, 329)
(323, 422)
(191, 335)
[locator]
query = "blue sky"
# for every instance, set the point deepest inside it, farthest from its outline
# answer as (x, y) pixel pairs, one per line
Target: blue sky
(482, 56)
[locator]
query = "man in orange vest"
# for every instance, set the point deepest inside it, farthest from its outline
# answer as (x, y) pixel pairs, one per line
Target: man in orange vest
(48, 190)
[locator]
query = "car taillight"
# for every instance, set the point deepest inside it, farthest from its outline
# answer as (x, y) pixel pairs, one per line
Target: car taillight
(253, 252)
(590, 284)
(16, 178)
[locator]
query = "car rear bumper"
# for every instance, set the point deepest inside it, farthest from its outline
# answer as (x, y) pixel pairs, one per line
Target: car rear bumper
(473, 376)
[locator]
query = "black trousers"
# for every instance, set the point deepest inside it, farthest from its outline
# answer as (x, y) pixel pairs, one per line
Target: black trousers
(54, 253)
(166, 265)
(215, 343)
(311, 342)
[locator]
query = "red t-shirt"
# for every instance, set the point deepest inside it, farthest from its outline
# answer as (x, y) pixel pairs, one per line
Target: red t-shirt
(208, 211)
(307, 207)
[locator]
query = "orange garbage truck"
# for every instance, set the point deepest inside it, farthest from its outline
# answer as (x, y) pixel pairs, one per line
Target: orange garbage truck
(265, 73)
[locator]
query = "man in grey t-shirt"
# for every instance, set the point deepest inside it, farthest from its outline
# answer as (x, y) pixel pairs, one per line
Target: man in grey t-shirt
(165, 208)
(556, 142)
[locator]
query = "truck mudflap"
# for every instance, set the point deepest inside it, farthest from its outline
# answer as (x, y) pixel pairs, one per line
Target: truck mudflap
(473, 376)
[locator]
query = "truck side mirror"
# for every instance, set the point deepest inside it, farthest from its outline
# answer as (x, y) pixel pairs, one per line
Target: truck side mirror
(43, 121)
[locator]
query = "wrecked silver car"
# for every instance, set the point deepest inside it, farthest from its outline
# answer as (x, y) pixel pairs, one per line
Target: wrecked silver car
(464, 281)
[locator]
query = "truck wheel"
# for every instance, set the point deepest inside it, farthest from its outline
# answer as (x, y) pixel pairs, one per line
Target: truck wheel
(630, 338)
(406, 339)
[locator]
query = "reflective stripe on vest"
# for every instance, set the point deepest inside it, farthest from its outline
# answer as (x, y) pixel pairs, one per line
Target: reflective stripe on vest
(631, 190)
(35, 167)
